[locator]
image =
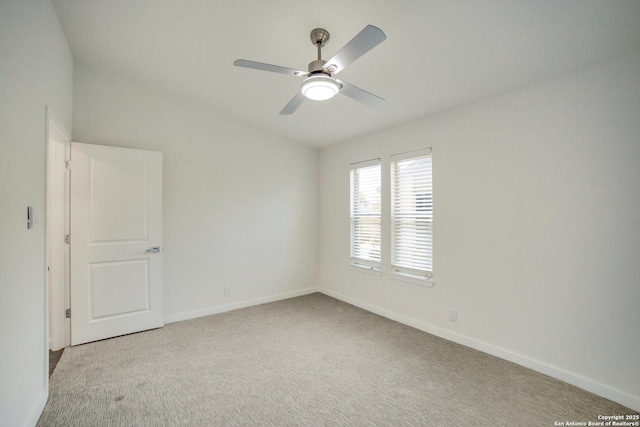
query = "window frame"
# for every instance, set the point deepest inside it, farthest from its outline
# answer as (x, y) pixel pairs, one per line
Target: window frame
(406, 273)
(359, 263)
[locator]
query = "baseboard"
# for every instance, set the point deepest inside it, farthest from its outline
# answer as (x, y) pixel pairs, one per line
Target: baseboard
(37, 410)
(236, 305)
(603, 390)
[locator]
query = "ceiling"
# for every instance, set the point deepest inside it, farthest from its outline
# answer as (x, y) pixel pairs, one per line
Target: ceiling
(439, 54)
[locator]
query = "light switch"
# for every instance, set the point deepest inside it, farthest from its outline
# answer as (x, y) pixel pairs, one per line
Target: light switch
(29, 217)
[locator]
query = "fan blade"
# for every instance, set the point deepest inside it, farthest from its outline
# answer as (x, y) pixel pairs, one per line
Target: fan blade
(362, 43)
(360, 95)
(293, 105)
(268, 67)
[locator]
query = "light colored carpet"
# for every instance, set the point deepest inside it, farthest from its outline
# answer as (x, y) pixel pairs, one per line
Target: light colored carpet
(307, 361)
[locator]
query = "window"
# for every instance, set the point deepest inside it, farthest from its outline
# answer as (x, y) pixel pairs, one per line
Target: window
(365, 214)
(412, 214)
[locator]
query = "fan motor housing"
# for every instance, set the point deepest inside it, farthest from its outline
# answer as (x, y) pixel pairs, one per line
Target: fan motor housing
(315, 66)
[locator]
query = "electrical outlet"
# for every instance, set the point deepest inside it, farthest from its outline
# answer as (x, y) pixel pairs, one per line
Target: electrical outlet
(453, 315)
(227, 292)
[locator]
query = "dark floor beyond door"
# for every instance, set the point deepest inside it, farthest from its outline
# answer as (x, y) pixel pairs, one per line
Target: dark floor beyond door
(54, 357)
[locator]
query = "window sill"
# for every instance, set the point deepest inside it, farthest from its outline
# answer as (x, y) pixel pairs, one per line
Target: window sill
(374, 271)
(410, 278)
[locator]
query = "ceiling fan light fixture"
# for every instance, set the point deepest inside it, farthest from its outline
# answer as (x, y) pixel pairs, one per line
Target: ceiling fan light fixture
(320, 87)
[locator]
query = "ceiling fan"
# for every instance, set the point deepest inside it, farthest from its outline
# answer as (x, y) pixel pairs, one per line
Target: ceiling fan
(319, 83)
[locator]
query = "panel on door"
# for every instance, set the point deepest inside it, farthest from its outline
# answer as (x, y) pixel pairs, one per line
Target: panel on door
(116, 236)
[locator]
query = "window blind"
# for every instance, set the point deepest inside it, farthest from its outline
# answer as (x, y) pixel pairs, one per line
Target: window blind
(365, 213)
(412, 214)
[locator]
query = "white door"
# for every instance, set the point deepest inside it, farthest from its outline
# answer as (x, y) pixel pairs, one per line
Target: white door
(116, 241)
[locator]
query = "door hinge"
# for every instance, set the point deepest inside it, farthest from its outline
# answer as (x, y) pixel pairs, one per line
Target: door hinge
(67, 164)
(67, 239)
(67, 313)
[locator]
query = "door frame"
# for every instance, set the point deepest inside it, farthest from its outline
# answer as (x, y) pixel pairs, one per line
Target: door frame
(57, 226)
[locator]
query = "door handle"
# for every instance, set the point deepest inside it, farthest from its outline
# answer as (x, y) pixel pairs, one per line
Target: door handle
(153, 250)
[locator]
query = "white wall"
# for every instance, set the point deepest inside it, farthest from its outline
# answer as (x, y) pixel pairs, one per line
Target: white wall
(240, 205)
(35, 70)
(537, 240)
